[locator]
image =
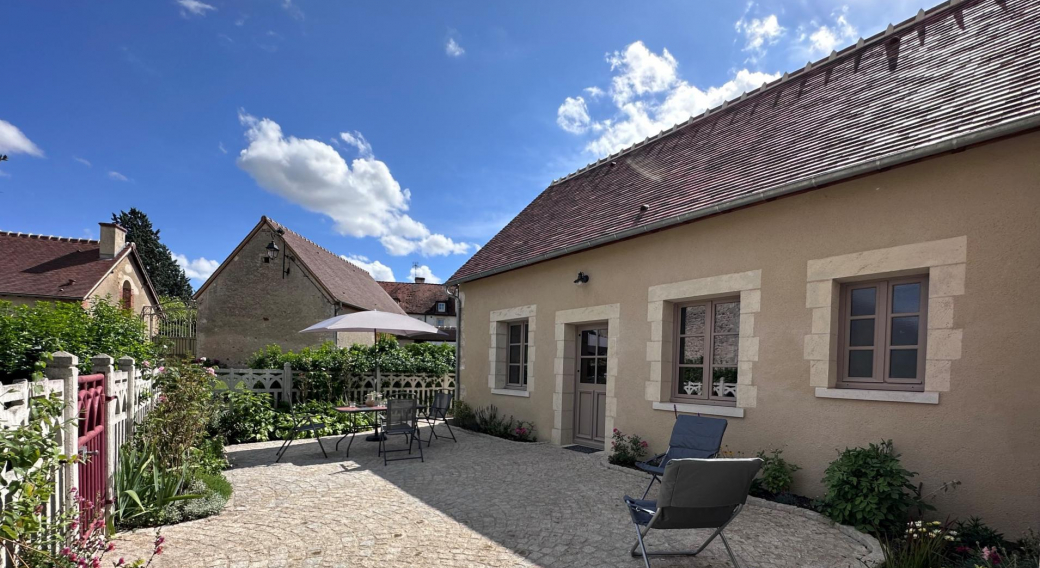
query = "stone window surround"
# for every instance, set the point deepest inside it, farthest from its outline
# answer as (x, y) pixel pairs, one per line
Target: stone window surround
(945, 263)
(564, 366)
(498, 352)
(661, 302)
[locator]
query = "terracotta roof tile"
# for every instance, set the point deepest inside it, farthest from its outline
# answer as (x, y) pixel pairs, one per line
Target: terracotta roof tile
(347, 282)
(420, 298)
(58, 267)
(957, 69)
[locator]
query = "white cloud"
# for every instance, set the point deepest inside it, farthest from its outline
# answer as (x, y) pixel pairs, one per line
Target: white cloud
(358, 141)
(198, 269)
(194, 7)
(640, 71)
(293, 9)
(824, 38)
(4, 174)
(117, 176)
(362, 197)
(594, 92)
(13, 141)
(83, 161)
(760, 33)
(649, 96)
(424, 272)
(573, 115)
(220, 146)
(377, 269)
(453, 48)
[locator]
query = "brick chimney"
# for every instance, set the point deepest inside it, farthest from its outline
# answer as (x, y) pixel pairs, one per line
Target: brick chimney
(113, 239)
(420, 280)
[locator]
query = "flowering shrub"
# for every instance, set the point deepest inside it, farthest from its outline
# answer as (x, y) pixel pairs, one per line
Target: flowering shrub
(922, 545)
(184, 410)
(488, 421)
(869, 489)
(627, 450)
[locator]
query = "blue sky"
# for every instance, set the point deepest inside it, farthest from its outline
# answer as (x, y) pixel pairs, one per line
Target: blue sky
(390, 133)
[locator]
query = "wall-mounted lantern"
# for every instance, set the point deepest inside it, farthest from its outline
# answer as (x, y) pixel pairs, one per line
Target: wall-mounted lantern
(272, 250)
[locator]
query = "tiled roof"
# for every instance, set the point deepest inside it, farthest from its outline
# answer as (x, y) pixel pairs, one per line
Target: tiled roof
(347, 283)
(54, 267)
(964, 71)
(417, 298)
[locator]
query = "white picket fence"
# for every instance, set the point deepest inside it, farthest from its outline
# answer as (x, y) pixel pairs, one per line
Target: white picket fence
(130, 395)
(281, 383)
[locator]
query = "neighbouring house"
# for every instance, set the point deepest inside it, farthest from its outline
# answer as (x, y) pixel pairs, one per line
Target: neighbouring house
(36, 268)
(844, 255)
(429, 303)
(275, 283)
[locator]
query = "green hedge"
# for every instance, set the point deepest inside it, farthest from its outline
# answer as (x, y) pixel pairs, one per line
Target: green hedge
(30, 333)
(411, 359)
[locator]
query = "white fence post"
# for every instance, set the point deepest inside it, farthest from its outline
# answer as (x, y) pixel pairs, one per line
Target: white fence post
(63, 367)
(287, 383)
(128, 365)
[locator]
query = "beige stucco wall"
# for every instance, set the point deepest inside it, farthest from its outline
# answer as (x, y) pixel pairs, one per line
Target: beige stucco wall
(249, 306)
(985, 429)
(112, 285)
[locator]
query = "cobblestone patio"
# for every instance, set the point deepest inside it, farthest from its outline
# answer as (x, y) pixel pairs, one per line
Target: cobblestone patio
(480, 502)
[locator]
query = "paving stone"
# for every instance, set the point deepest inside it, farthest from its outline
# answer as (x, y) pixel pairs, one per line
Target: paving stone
(481, 502)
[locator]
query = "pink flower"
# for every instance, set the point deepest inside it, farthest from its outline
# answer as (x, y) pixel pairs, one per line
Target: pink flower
(990, 555)
(210, 371)
(643, 444)
(615, 430)
(162, 398)
(146, 364)
(121, 562)
(161, 369)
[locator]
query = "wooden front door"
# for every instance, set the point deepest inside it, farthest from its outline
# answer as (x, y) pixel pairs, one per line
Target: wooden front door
(590, 393)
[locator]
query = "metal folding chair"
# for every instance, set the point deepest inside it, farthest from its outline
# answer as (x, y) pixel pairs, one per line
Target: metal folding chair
(301, 424)
(402, 417)
(692, 437)
(695, 494)
(438, 412)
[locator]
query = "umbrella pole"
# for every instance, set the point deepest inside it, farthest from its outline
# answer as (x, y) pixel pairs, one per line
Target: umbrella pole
(379, 389)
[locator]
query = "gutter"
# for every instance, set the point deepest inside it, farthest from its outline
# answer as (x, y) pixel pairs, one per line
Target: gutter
(869, 166)
(455, 291)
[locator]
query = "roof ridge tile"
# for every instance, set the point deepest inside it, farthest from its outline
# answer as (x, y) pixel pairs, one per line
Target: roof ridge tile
(42, 237)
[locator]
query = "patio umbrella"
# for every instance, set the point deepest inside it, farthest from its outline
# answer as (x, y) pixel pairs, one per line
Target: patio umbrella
(376, 322)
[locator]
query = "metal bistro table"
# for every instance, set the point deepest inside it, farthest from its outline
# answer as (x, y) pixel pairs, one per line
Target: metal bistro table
(353, 411)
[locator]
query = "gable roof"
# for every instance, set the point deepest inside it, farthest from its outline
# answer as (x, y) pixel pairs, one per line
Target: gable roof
(59, 268)
(341, 280)
(961, 73)
(416, 298)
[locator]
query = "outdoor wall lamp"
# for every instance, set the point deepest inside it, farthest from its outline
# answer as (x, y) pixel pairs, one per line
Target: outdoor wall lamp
(272, 250)
(581, 279)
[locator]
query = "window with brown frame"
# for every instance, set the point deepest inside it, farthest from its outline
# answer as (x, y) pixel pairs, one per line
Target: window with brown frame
(882, 334)
(707, 340)
(127, 301)
(516, 377)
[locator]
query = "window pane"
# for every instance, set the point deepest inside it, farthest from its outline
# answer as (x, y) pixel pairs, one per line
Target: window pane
(903, 363)
(588, 371)
(692, 350)
(861, 363)
(724, 382)
(589, 342)
(601, 371)
(691, 380)
(602, 342)
(727, 317)
(725, 352)
(514, 354)
(863, 301)
(904, 330)
(692, 320)
(514, 374)
(525, 373)
(515, 333)
(861, 333)
(906, 298)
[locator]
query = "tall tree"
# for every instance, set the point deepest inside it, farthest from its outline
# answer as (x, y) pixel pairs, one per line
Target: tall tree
(167, 276)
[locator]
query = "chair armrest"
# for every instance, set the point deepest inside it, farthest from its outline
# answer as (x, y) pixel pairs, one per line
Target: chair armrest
(654, 461)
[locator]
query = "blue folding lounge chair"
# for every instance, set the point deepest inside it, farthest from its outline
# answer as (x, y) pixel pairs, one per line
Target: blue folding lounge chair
(695, 494)
(692, 437)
